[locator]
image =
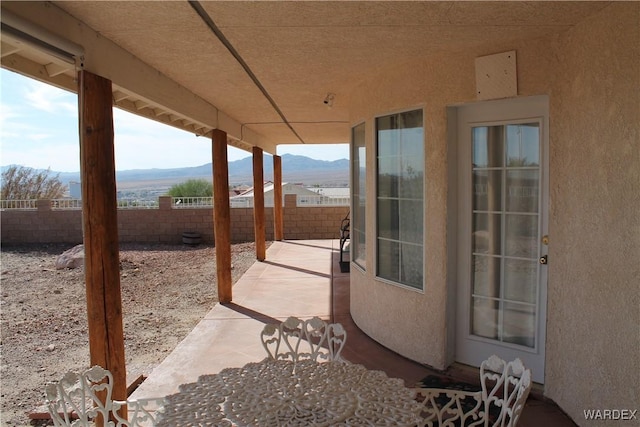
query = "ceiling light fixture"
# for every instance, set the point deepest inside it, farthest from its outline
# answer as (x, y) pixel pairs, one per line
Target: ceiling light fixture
(328, 100)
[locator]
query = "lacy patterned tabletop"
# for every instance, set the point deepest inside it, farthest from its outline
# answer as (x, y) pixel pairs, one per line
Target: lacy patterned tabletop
(279, 393)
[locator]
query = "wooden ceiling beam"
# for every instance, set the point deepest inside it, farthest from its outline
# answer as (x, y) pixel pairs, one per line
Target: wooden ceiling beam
(54, 69)
(24, 66)
(8, 49)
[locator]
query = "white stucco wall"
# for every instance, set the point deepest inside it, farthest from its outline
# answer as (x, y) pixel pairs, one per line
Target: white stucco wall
(410, 322)
(414, 323)
(593, 338)
(592, 77)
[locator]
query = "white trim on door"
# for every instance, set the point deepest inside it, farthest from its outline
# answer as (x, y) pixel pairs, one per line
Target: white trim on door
(469, 348)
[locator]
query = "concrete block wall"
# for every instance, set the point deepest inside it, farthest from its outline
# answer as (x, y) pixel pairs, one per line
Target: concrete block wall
(300, 222)
(41, 226)
(166, 225)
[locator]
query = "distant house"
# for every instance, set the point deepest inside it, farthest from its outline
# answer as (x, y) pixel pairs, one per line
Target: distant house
(239, 189)
(75, 190)
(245, 199)
(332, 192)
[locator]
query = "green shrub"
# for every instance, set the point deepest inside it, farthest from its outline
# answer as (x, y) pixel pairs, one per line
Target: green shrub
(192, 188)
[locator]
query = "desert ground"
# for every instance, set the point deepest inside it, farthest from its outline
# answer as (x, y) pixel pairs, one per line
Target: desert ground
(166, 290)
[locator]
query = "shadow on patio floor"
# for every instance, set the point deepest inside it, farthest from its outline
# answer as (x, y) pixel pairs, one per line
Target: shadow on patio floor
(303, 279)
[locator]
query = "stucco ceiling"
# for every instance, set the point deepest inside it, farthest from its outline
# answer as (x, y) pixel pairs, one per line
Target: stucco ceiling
(297, 51)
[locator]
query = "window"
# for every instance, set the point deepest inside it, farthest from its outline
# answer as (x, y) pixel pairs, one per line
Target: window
(400, 198)
(358, 179)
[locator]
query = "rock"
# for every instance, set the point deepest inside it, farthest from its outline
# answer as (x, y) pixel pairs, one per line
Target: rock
(73, 258)
(51, 347)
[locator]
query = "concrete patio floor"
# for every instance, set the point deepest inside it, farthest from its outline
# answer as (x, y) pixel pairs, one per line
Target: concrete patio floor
(299, 278)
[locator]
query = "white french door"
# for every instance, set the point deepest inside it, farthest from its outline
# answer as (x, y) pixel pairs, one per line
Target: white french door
(502, 231)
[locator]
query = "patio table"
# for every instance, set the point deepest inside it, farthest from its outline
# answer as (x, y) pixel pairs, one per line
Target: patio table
(280, 393)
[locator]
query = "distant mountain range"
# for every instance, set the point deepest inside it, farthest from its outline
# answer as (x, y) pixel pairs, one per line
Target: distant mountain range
(298, 169)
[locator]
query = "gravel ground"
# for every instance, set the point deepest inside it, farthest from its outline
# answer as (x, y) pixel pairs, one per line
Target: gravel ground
(166, 290)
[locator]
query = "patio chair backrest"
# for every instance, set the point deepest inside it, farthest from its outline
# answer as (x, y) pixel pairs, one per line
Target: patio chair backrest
(140, 412)
(505, 388)
(336, 339)
(296, 339)
(79, 398)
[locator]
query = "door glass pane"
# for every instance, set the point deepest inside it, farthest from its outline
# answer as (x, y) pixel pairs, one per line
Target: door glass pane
(486, 276)
(523, 145)
(522, 190)
(519, 324)
(485, 318)
(487, 237)
(505, 234)
(487, 190)
(488, 146)
(521, 236)
(518, 276)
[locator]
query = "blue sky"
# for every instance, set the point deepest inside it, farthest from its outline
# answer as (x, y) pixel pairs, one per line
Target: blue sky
(39, 129)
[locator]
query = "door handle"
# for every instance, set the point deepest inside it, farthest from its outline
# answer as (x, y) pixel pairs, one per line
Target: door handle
(543, 260)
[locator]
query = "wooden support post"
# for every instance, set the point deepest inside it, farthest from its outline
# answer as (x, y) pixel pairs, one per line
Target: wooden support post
(221, 215)
(258, 204)
(100, 229)
(278, 230)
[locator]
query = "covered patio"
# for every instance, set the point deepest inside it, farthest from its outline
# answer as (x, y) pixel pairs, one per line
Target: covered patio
(407, 84)
(301, 278)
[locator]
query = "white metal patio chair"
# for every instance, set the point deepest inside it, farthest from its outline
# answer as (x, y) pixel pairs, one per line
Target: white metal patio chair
(140, 412)
(296, 339)
(505, 388)
(78, 399)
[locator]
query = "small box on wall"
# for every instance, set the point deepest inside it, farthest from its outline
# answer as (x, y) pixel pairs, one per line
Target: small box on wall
(496, 76)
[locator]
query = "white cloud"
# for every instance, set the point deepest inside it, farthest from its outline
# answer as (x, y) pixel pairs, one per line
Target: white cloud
(7, 114)
(39, 136)
(48, 98)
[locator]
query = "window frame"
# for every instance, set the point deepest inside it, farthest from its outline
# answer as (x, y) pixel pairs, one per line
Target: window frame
(358, 232)
(413, 287)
